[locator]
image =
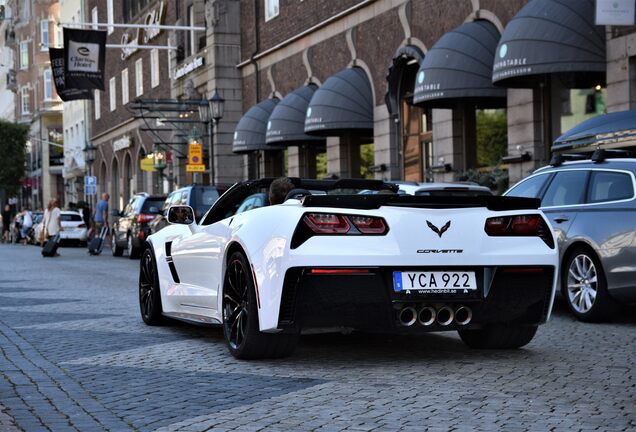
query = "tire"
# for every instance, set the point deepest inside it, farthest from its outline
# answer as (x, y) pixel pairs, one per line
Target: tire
(501, 336)
(116, 250)
(149, 292)
(133, 252)
(240, 317)
(584, 287)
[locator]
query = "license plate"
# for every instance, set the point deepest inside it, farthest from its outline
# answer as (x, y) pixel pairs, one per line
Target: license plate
(437, 282)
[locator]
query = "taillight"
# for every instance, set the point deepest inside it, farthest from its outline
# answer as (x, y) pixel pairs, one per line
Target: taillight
(326, 223)
(145, 217)
(81, 226)
(524, 225)
(369, 224)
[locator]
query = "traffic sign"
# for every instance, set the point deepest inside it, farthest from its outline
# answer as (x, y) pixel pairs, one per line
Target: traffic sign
(90, 181)
(195, 154)
(90, 189)
(195, 168)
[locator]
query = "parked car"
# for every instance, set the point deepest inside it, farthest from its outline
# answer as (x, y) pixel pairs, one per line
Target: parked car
(199, 197)
(592, 206)
(452, 189)
(131, 228)
(73, 228)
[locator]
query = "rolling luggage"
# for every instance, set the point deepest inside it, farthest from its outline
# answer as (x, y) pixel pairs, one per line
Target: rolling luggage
(96, 245)
(50, 248)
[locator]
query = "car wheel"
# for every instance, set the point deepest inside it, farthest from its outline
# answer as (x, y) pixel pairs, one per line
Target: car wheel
(585, 287)
(149, 293)
(133, 253)
(240, 317)
(500, 336)
(116, 250)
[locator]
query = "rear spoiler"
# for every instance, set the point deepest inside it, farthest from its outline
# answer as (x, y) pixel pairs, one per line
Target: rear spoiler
(370, 202)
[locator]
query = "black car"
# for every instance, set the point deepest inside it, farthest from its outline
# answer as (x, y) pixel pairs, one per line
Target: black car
(131, 228)
(199, 197)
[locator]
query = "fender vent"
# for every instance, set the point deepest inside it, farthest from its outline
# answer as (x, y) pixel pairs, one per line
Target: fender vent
(173, 269)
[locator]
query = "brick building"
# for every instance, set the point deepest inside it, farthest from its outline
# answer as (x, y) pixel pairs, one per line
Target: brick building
(37, 105)
(418, 130)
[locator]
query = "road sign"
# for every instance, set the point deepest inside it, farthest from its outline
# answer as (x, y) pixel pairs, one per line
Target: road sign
(90, 181)
(195, 168)
(90, 190)
(147, 164)
(195, 154)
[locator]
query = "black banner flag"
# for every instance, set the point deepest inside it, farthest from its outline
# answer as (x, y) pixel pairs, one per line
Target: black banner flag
(85, 58)
(57, 67)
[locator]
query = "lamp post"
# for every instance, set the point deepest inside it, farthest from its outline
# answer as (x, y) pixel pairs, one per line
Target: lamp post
(159, 162)
(210, 112)
(89, 157)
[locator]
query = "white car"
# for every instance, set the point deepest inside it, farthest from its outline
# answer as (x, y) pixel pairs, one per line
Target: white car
(483, 266)
(73, 228)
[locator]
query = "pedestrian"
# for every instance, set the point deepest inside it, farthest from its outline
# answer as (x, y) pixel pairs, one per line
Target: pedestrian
(27, 223)
(6, 222)
(101, 214)
(88, 220)
(51, 223)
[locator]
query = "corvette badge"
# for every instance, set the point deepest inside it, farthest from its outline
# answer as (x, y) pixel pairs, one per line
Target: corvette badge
(438, 231)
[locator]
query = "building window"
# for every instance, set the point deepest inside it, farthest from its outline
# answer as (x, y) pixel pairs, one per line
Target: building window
(97, 99)
(271, 9)
(109, 15)
(44, 35)
(139, 78)
(154, 67)
(95, 18)
(112, 93)
(132, 8)
(24, 55)
(25, 100)
(190, 36)
(124, 86)
(48, 88)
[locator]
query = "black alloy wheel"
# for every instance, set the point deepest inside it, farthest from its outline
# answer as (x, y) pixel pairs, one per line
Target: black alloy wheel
(240, 317)
(149, 295)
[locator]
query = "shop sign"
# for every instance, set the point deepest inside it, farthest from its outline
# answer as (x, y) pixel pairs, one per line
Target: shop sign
(195, 168)
(147, 164)
(615, 12)
(122, 143)
(156, 16)
(188, 67)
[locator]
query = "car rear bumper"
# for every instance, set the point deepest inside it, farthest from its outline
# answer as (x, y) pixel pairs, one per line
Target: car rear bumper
(367, 301)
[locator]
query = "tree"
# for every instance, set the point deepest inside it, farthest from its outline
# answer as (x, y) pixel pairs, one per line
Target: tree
(12, 156)
(492, 137)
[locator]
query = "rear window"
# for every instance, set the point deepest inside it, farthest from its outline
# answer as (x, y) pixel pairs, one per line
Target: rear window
(567, 188)
(529, 188)
(70, 218)
(156, 203)
(610, 186)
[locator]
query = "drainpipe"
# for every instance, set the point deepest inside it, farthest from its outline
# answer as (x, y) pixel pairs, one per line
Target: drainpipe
(254, 158)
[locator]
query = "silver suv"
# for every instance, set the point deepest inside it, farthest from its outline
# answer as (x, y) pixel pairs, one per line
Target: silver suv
(592, 207)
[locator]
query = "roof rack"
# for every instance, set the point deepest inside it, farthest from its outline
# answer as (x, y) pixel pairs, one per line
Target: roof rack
(558, 159)
(600, 155)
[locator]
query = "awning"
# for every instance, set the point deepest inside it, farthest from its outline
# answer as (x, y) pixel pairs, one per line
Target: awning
(249, 134)
(610, 130)
(551, 37)
(342, 105)
(459, 66)
(286, 125)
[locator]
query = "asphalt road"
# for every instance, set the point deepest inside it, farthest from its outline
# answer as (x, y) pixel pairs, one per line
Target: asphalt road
(75, 355)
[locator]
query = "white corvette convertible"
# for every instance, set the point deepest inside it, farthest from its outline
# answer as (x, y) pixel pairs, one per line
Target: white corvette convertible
(331, 259)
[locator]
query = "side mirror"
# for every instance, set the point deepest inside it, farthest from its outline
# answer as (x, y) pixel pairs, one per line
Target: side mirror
(182, 215)
(115, 212)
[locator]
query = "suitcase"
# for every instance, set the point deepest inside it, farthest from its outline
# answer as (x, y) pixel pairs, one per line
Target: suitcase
(50, 248)
(97, 243)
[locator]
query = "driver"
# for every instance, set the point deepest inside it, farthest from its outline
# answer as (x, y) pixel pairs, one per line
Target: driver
(279, 189)
(182, 215)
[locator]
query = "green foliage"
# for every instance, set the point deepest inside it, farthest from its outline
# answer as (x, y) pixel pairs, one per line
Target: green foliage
(12, 156)
(492, 137)
(321, 165)
(367, 158)
(495, 179)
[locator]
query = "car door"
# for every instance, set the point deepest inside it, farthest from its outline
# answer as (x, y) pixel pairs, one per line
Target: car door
(562, 200)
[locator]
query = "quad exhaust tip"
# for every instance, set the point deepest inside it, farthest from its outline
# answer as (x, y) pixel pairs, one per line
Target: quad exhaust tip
(445, 316)
(426, 316)
(407, 316)
(463, 315)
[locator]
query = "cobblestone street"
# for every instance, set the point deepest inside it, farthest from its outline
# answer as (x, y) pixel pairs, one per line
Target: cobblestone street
(76, 356)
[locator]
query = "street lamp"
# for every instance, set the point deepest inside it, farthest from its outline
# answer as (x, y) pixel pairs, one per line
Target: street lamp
(89, 157)
(159, 160)
(210, 112)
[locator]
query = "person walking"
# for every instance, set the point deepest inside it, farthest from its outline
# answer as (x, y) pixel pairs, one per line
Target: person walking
(6, 223)
(51, 221)
(101, 214)
(27, 224)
